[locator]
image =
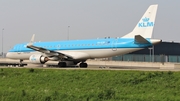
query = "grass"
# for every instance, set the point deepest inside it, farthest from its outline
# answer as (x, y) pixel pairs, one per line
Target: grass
(21, 84)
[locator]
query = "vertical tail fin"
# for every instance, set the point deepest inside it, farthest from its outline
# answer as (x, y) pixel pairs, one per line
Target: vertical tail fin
(146, 24)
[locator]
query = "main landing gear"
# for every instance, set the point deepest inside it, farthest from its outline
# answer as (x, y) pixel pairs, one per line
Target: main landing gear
(83, 65)
(62, 64)
(65, 64)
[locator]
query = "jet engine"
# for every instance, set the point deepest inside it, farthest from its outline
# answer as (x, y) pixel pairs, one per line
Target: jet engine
(37, 58)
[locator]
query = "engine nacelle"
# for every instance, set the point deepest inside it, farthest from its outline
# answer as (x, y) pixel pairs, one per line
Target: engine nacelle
(37, 58)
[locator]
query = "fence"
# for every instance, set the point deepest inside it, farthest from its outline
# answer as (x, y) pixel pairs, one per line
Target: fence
(147, 58)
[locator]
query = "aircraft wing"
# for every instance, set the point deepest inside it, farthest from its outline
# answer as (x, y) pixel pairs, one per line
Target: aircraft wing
(49, 52)
(46, 51)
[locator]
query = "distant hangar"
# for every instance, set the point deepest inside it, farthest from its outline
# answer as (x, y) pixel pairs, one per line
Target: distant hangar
(162, 52)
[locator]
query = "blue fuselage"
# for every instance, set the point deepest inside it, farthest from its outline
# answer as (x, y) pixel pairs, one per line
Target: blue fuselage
(110, 43)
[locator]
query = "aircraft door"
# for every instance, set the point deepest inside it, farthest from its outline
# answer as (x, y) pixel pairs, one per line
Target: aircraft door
(58, 46)
(114, 44)
(19, 49)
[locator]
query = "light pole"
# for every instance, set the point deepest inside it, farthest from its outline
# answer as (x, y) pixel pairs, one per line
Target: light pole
(153, 53)
(68, 33)
(2, 43)
(150, 58)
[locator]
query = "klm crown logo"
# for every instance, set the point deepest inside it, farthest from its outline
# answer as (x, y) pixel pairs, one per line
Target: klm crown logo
(33, 58)
(146, 23)
(145, 19)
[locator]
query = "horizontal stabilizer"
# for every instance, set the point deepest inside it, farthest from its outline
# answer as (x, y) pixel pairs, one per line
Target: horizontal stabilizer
(140, 39)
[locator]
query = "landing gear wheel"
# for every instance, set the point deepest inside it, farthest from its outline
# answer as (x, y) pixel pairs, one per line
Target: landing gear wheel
(21, 63)
(62, 64)
(83, 65)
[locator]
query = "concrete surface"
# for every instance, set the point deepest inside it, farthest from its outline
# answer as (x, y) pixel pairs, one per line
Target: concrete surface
(108, 64)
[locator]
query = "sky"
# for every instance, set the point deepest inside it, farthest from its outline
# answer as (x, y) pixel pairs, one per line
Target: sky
(56, 20)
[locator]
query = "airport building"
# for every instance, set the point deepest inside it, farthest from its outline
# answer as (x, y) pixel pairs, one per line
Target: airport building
(162, 52)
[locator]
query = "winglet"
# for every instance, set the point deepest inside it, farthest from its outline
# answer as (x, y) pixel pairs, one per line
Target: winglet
(32, 40)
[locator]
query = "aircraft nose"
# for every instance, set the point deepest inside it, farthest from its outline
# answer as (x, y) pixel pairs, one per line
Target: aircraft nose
(8, 55)
(155, 41)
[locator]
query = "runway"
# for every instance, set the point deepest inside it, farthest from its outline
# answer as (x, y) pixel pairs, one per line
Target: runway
(101, 68)
(101, 65)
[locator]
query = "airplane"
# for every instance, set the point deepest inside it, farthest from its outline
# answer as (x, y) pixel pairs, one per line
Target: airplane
(78, 51)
